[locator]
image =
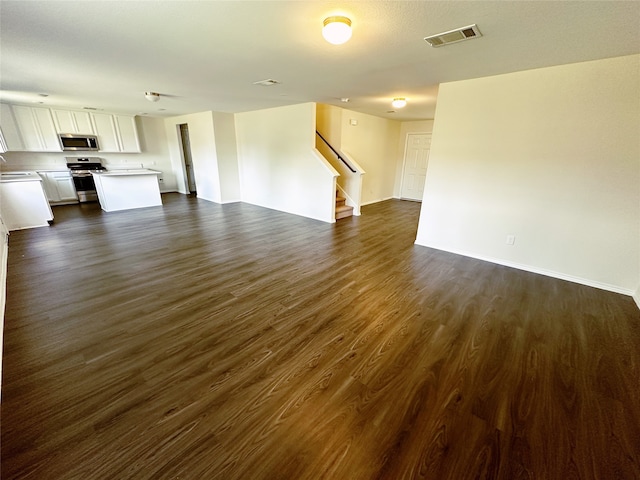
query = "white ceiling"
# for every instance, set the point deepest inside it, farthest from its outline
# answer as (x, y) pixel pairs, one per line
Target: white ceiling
(205, 55)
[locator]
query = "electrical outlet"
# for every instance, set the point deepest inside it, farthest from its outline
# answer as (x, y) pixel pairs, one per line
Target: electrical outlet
(511, 239)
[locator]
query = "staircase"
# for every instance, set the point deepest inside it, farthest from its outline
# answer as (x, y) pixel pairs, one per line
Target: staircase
(342, 210)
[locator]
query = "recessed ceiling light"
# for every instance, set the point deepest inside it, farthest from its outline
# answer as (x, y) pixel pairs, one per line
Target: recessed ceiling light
(345, 100)
(399, 102)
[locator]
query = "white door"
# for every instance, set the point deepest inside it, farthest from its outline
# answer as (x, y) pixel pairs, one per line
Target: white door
(416, 158)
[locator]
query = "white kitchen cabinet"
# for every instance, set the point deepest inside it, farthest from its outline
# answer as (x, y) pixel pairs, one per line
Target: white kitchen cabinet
(127, 189)
(23, 204)
(126, 127)
(36, 128)
(116, 133)
(59, 187)
(66, 188)
(105, 129)
(10, 139)
(69, 121)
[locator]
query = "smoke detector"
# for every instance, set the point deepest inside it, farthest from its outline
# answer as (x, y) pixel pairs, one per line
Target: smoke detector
(152, 96)
(454, 36)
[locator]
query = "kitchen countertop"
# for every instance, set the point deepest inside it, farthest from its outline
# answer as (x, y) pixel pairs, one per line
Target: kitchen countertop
(20, 177)
(122, 172)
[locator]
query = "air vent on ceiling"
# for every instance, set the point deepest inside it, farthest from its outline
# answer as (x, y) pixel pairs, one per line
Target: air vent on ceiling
(266, 83)
(453, 36)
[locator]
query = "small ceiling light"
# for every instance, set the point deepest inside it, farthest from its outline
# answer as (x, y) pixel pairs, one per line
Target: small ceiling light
(152, 96)
(336, 30)
(266, 83)
(399, 102)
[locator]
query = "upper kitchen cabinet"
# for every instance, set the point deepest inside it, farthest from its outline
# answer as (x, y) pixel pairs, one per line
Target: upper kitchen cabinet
(10, 139)
(69, 121)
(36, 128)
(116, 133)
(126, 126)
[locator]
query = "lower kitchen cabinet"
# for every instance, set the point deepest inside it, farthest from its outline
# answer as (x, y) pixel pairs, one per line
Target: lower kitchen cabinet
(59, 187)
(24, 204)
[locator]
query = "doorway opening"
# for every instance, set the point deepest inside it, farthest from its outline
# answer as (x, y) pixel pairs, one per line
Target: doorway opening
(186, 157)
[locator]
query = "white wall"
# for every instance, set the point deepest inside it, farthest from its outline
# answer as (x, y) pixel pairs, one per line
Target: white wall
(372, 143)
(421, 126)
(153, 143)
(329, 124)
(4, 252)
(551, 156)
(227, 153)
(213, 155)
(279, 165)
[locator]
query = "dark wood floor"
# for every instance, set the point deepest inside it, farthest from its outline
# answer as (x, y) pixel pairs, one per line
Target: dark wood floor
(199, 341)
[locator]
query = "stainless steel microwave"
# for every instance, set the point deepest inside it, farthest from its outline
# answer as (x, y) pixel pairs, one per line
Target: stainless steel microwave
(75, 142)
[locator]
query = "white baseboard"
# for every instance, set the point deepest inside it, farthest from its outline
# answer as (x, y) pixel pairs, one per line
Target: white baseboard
(636, 297)
(376, 201)
(540, 271)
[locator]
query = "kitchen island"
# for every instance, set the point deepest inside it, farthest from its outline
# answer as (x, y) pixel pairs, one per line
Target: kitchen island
(23, 203)
(127, 189)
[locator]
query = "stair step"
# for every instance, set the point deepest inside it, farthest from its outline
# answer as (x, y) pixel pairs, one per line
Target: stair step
(343, 211)
(340, 201)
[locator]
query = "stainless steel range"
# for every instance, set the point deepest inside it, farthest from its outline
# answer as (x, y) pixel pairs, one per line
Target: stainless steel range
(81, 168)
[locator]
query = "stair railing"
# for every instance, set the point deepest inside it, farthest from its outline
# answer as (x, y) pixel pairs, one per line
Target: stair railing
(337, 154)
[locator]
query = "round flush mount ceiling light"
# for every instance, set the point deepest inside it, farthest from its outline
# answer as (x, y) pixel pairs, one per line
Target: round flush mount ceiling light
(399, 102)
(336, 30)
(152, 96)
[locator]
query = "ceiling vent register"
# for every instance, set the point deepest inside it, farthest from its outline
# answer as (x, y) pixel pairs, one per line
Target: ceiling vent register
(453, 36)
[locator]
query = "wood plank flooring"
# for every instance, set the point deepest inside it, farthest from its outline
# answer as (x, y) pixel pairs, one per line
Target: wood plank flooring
(200, 341)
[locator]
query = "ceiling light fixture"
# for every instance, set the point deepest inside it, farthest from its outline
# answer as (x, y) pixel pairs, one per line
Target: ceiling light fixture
(266, 83)
(399, 102)
(152, 96)
(336, 30)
